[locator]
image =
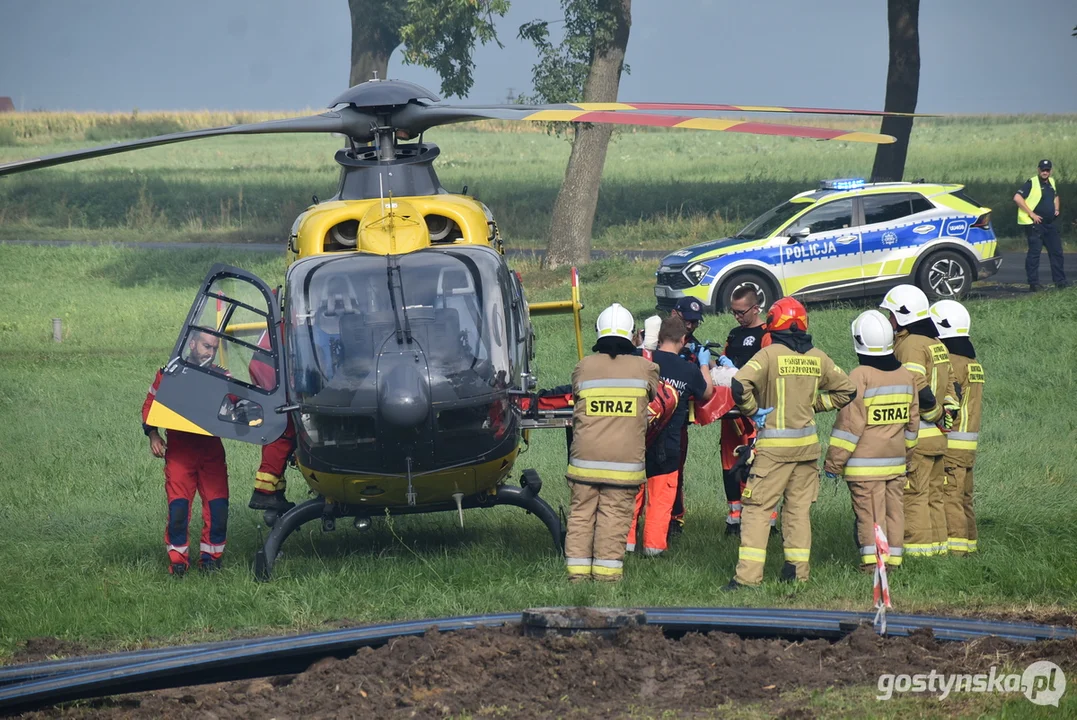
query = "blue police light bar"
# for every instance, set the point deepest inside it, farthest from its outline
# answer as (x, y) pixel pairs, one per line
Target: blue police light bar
(842, 184)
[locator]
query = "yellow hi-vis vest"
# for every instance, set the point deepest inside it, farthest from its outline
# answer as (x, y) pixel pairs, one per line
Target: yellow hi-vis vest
(1033, 199)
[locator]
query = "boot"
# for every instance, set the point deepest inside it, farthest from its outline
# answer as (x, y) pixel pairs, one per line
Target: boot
(178, 570)
(270, 501)
(209, 565)
(731, 586)
(732, 529)
(788, 573)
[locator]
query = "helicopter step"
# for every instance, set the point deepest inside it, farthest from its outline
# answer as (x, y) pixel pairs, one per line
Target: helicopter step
(525, 496)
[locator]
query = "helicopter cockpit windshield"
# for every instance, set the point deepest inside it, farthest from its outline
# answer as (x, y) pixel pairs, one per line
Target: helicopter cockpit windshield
(348, 311)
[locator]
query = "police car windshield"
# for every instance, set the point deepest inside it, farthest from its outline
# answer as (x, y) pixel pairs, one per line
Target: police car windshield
(765, 225)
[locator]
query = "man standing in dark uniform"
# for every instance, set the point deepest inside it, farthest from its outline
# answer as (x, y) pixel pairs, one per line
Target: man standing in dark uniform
(1037, 210)
(690, 310)
(741, 344)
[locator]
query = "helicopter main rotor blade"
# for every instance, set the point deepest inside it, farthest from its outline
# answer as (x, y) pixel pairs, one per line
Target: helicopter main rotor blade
(347, 120)
(708, 107)
(417, 119)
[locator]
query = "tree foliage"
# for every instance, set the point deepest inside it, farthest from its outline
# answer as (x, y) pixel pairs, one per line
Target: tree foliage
(438, 34)
(562, 69)
(441, 35)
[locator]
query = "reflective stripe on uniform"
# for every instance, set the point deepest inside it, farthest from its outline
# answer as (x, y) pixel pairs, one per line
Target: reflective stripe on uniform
(773, 437)
(874, 471)
(181, 549)
(630, 547)
(973, 545)
(929, 430)
(597, 569)
(910, 439)
(893, 561)
(607, 563)
(754, 365)
(267, 482)
(612, 383)
(867, 554)
(753, 554)
(875, 462)
(612, 392)
(920, 549)
(888, 390)
(844, 440)
(578, 566)
(916, 368)
(962, 440)
(896, 551)
(828, 404)
(604, 465)
(797, 554)
(958, 544)
(207, 548)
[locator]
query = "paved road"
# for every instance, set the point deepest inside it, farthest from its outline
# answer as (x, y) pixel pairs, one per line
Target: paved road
(1011, 273)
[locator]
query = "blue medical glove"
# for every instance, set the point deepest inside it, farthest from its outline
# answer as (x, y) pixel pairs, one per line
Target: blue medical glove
(704, 356)
(724, 361)
(832, 476)
(760, 417)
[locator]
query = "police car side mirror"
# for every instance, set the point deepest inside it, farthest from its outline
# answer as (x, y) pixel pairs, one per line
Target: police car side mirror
(798, 235)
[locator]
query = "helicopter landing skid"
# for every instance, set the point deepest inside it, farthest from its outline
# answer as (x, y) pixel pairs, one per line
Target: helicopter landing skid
(525, 496)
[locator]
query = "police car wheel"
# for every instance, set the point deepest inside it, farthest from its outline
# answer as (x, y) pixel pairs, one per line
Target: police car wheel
(945, 275)
(763, 287)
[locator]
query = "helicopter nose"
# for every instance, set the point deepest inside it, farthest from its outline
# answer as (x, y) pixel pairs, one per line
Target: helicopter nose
(404, 396)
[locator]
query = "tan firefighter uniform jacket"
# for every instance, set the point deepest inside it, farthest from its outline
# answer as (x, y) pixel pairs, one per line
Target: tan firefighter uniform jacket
(609, 419)
(797, 386)
(929, 361)
(872, 434)
(962, 440)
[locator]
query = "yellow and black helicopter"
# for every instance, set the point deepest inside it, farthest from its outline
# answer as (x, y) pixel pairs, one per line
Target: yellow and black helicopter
(402, 346)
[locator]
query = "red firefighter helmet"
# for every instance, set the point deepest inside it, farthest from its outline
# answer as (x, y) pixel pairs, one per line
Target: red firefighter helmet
(787, 314)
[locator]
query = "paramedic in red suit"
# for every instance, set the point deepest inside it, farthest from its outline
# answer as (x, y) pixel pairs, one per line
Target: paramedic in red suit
(192, 463)
(269, 482)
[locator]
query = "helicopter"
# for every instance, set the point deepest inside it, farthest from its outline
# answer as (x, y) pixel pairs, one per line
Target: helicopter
(401, 347)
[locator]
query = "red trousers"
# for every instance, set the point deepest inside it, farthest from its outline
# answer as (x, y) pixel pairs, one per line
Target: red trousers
(270, 475)
(195, 463)
(659, 493)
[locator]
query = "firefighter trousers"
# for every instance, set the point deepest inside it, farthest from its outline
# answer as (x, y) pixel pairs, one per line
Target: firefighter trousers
(189, 469)
(597, 526)
(658, 495)
(769, 482)
(960, 516)
(925, 516)
(881, 502)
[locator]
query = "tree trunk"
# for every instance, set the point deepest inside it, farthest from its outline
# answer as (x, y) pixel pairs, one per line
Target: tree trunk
(375, 34)
(902, 86)
(569, 242)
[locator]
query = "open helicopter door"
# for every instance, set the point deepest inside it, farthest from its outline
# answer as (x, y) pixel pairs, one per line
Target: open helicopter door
(556, 307)
(226, 373)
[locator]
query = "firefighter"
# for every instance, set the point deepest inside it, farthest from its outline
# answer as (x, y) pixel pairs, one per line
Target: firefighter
(872, 436)
(193, 463)
(952, 321)
(916, 346)
(781, 389)
(612, 389)
(690, 311)
(741, 344)
(691, 383)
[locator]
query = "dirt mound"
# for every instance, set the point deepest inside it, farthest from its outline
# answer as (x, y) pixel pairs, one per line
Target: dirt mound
(487, 673)
(47, 648)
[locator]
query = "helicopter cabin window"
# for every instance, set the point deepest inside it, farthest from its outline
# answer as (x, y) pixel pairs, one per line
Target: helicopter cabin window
(832, 216)
(350, 313)
(229, 335)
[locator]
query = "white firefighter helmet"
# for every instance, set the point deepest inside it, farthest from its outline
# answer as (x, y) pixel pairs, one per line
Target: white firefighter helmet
(872, 334)
(950, 318)
(615, 321)
(908, 303)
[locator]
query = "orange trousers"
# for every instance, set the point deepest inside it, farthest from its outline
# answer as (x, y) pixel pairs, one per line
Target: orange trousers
(658, 494)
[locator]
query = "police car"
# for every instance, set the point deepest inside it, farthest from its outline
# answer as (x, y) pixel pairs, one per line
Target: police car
(846, 239)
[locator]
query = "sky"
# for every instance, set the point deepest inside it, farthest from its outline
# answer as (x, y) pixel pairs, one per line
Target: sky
(977, 56)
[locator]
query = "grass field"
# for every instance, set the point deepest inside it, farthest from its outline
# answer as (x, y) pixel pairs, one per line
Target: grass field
(82, 507)
(660, 190)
